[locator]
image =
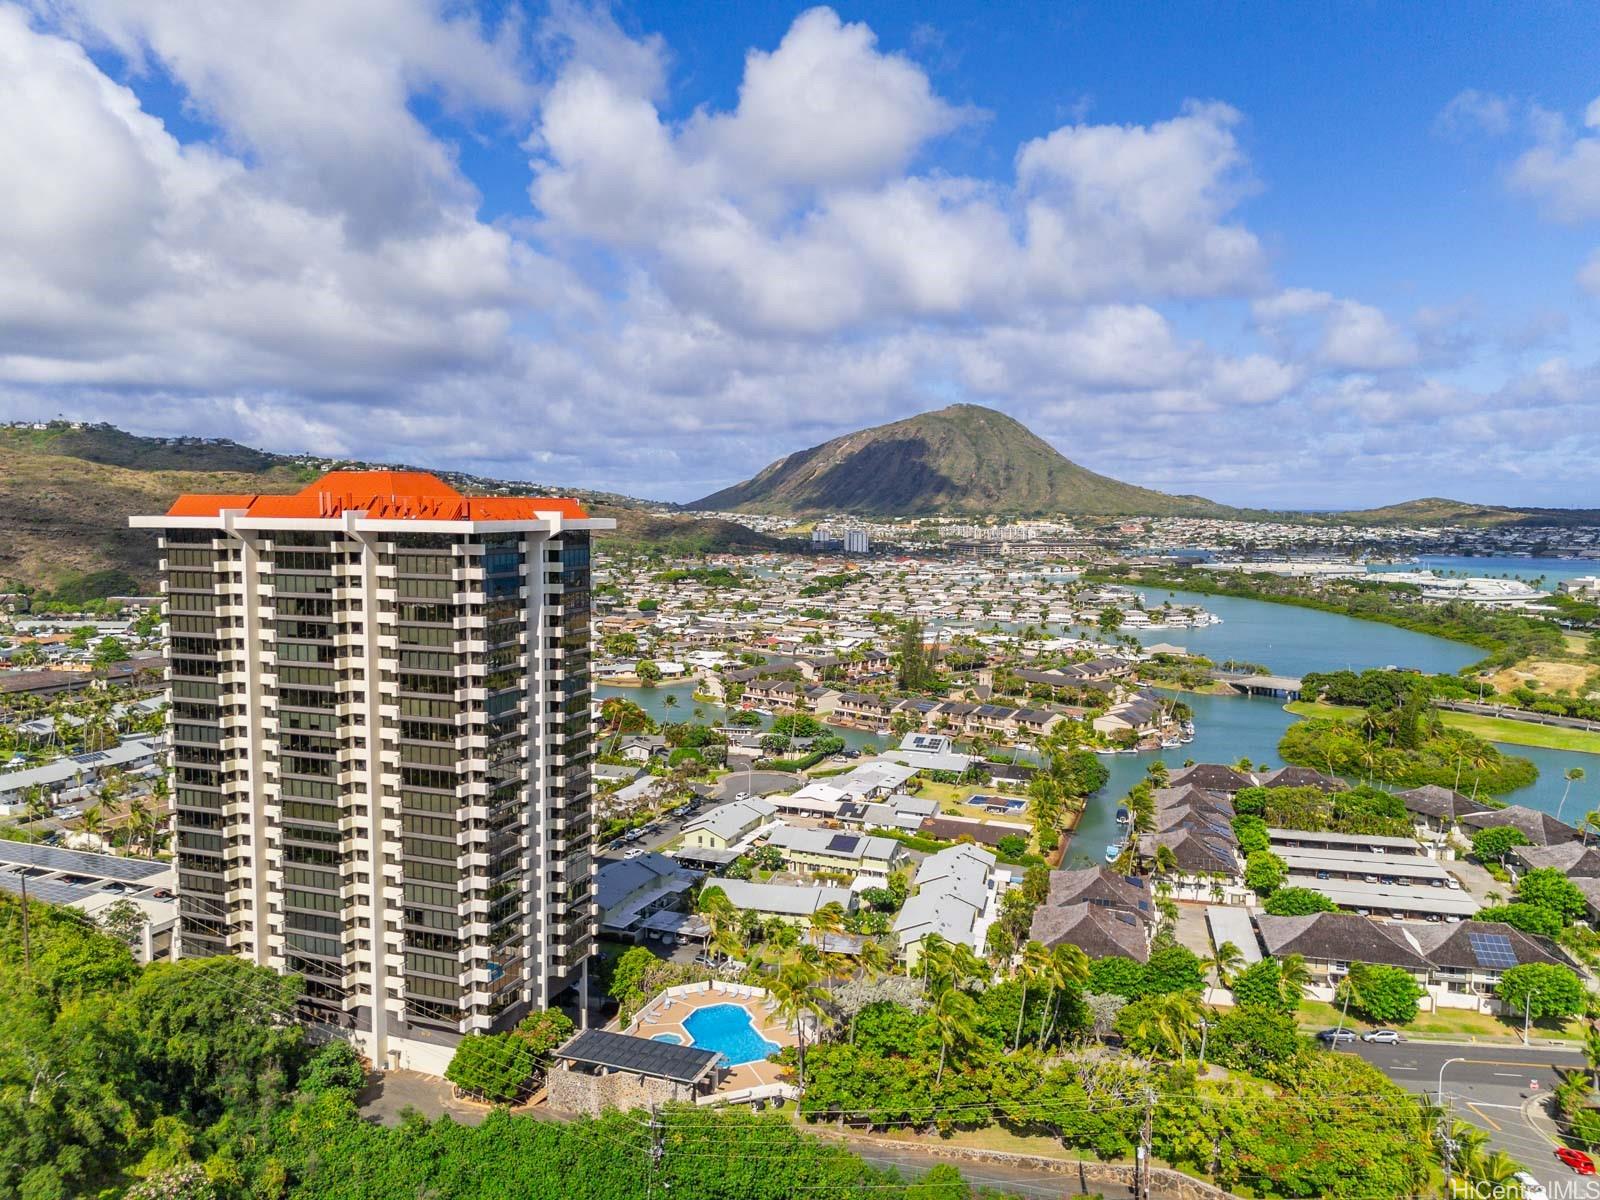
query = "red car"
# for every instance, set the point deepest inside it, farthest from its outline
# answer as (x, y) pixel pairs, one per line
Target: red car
(1576, 1159)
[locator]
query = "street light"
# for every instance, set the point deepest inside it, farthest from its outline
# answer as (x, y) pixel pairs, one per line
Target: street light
(1442, 1066)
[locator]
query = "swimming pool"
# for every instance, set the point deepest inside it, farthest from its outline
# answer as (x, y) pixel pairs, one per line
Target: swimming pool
(671, 1038)
(728, 1029)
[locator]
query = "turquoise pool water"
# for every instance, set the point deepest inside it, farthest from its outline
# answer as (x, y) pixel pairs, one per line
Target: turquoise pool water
(673, 1038)
(728, 1029)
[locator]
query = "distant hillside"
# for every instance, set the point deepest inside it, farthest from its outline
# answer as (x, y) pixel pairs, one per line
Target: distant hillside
(67, 490)
(1435, 510)
(961, 459)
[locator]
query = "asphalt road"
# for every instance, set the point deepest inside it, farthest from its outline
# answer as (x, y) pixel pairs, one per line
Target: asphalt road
(1488, 1086)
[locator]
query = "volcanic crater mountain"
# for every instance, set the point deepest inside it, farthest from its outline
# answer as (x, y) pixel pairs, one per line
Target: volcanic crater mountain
(961, 459)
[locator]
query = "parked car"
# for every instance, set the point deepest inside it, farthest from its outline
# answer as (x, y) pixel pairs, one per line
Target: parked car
(1337, 1037)
(1532, 1189)
(1453, 884)
(742, 796)
(634, 853)
(704, 960)
(1322, 875)
(161, 894)
(1384, 1037)
(1576, 1159)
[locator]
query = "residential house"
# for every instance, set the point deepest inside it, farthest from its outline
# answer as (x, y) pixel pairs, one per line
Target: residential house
(729, 825)
(627, 891)
(1098, 910)
(1213, 777)
(1287, 777)
(1436, 810)
(792, 903)
(1540, 828)
(859, 854)
(956, 896)
(862, 708)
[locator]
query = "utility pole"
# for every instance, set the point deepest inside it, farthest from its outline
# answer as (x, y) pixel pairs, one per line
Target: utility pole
(1141, 1178)
(658, 1151)
(27, 940)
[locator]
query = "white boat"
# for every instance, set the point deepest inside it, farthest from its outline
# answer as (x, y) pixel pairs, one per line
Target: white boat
(1113, 851)
(1104, 750)
(1171, 744)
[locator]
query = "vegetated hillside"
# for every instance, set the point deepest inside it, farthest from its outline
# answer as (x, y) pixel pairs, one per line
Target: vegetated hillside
(1435, 510)
(67, 491)
(961, 459)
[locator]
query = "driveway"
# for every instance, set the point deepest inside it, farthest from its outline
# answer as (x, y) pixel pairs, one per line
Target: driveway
(388, 1095)
(757, 783)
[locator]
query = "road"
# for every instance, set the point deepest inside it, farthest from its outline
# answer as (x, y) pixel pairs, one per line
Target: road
(1016, 1181)
(1487, 1086)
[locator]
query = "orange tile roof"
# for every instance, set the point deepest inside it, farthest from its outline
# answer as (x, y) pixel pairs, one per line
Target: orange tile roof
(385, 495)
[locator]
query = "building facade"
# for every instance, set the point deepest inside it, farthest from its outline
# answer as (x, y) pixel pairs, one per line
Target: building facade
(381, 749)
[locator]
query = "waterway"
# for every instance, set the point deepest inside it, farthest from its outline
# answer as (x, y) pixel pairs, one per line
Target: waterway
(1295, 641)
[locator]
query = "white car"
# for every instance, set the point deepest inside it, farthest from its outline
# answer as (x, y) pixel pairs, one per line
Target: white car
(1384, 1037)
(1532, 1189)
(742, 796)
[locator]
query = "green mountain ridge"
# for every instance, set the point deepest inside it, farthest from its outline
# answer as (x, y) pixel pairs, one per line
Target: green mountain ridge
(964, 459)
(68, 488)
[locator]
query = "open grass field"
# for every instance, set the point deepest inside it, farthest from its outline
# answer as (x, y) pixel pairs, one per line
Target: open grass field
(1493, 729)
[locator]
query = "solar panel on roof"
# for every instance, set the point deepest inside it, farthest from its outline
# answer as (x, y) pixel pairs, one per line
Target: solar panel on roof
(47, 891)
(844, 843)
(79, 862)
(91, 756)
(1492, 950)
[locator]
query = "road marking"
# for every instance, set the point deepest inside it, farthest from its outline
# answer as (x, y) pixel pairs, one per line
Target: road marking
(1493, 1124)
(1509, 1074)
(1402, 1068)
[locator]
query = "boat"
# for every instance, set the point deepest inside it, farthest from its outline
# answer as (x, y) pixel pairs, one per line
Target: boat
(1123, 816)
(1113, 851)
(1170, 744)
(1104, 750)
(1127, 750)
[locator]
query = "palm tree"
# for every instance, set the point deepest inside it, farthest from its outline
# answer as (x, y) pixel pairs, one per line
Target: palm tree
(1591, 1054)
(1354, 987)
(1166, 860)
(874, 959)
(954, 1019)
(93, 820)
(795, 990)
(1462, 1147)
(1591, 823)
(1228, 959)
(1069, 965)
(935, 955)
(828, 919)
(1498, 1170)
(1036, 964)
(1572, 776)
(1294, 976)
(1177, 1017)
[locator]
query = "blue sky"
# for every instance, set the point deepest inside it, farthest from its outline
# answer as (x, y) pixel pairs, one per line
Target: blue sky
(1313, 256)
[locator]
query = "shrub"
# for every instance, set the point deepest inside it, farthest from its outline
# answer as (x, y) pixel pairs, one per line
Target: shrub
(1379, 993)
(1298, 902)
(1530, 918)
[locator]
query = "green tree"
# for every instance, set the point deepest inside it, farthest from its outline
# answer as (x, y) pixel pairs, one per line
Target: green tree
(1494, 842)
(1264, 872)
(1542, 990)
(1251, 832)
(647, 672)
(954, 1019)
(1384, 994)
(1530, 918)
(494, 1066)
(109, 650)
(1549, 888)
(1297, 902)
(1260, 985)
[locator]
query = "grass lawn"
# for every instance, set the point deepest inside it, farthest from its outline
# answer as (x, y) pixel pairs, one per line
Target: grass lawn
(1448, 1022)
(1492, 729)
(948, 793)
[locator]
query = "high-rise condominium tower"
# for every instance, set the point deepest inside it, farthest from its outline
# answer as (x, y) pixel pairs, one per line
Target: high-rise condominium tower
(381, 737)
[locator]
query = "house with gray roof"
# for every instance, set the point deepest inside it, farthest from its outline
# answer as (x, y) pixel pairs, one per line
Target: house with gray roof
(1540, 828)
(1099, 910)
(627, 891)
(957, 897)
(785, 901)
(728, 825)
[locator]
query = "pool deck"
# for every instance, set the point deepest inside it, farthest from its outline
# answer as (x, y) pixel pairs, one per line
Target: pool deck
(666, 1014)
